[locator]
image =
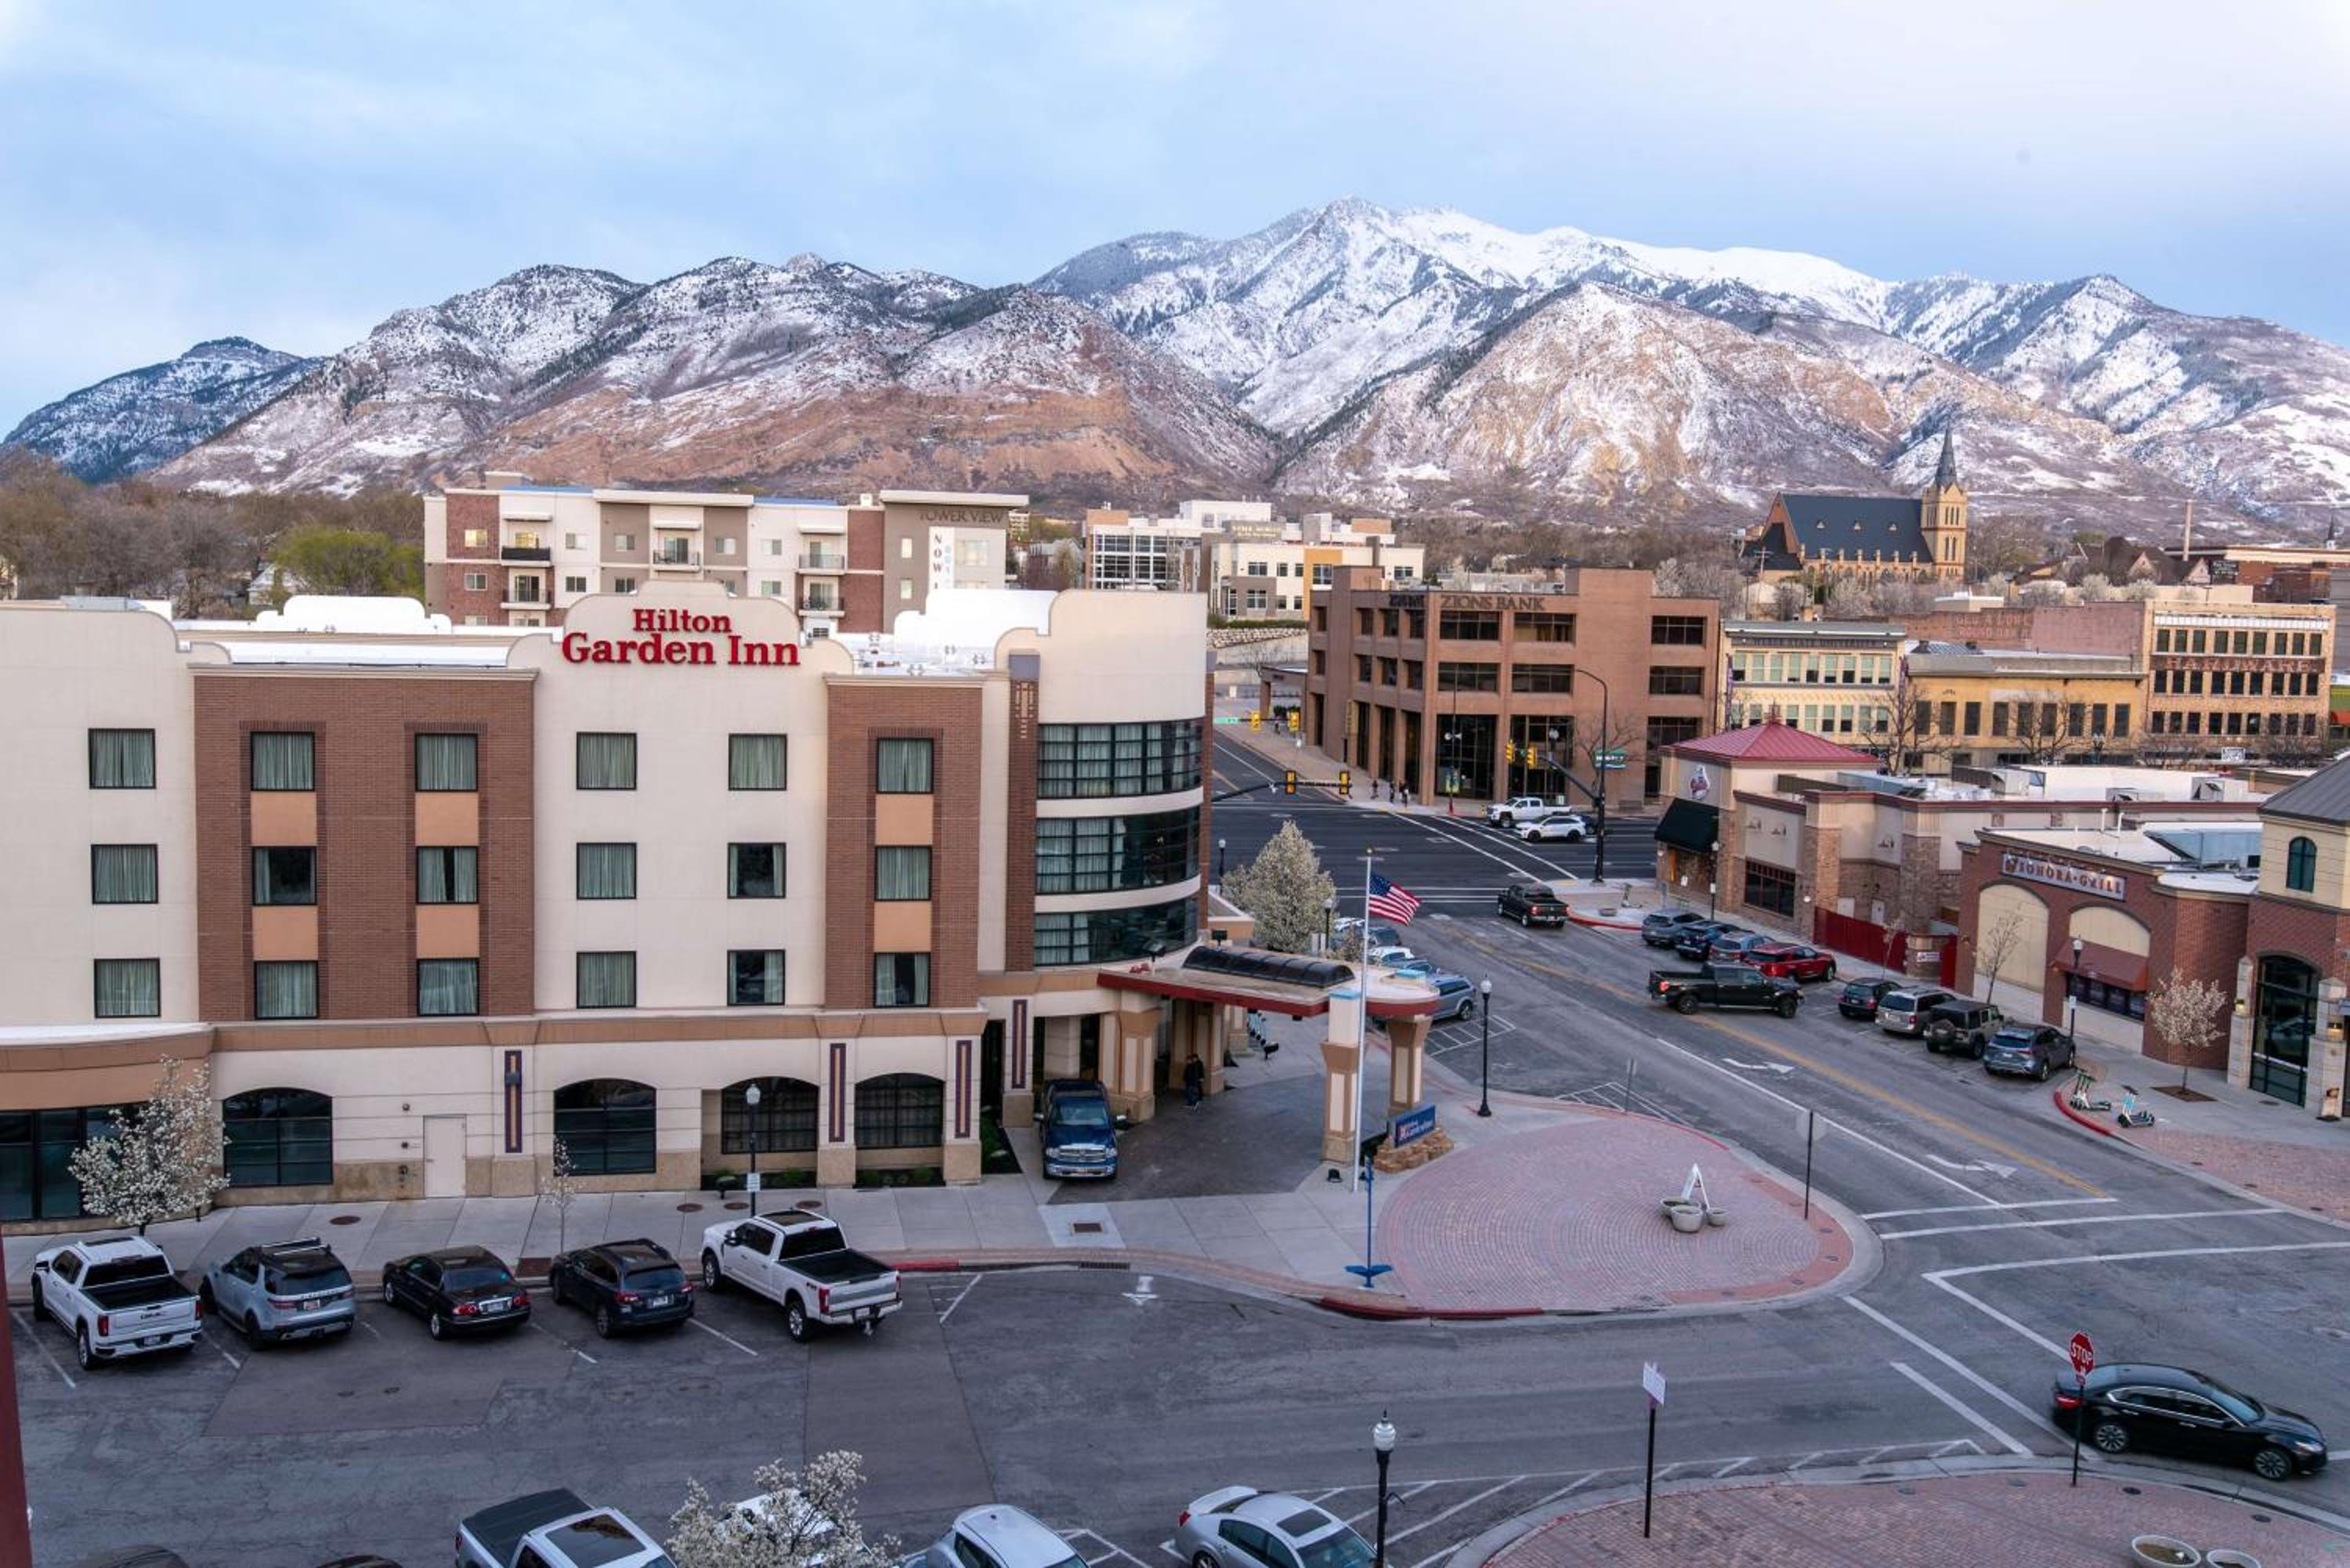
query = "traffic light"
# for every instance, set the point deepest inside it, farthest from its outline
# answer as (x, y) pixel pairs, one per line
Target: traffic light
(1289, 781)
(1292, 720)
(1256, 720)
(1346, 782)
(1509, 752)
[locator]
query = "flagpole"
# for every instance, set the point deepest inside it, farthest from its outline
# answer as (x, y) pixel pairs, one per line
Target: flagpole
(1362, 1029)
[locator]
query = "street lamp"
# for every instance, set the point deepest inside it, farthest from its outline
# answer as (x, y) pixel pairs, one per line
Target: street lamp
(751, 1098)
(1220, 860)
(1329, 913)
(1598, 780)
(1713, 876)
(1383, 1435)
(2073, 996)
(1485, 1048)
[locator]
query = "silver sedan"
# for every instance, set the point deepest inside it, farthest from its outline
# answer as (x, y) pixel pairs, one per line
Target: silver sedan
(1240, 1527)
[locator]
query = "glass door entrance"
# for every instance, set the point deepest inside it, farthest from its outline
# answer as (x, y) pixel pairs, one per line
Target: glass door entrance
(2283, 1020)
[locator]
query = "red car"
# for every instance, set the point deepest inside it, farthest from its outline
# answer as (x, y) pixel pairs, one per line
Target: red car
(1792, 961)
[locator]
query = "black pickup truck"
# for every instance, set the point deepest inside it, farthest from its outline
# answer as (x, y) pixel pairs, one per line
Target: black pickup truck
(1723, 985)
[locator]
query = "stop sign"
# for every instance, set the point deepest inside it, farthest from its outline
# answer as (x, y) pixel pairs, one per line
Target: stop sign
(2084, 1356)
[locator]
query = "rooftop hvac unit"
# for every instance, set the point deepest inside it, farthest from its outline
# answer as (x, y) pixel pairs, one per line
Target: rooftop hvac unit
(2121, 793)
(2207, 789)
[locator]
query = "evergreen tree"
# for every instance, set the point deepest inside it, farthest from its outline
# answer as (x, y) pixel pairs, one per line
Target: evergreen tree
(1284, 890)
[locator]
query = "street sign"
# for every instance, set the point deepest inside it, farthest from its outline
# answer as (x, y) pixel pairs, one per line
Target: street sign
(2231, 756)
(751, 1182)
(1611, 758)
(1608, 767)
(1412, 1126)
(2083, 1354)
(1652, 1383)
(1229, 719)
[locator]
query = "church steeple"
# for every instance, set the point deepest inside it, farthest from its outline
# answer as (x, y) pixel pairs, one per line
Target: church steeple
(1947, 471)
(1942, 517)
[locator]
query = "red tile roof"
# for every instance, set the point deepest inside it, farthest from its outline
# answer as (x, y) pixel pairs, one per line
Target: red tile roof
(1773, 743)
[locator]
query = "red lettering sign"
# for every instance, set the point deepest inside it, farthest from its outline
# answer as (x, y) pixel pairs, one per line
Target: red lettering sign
(658, 647)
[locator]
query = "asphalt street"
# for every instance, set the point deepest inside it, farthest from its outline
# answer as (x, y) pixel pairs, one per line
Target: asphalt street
(1104, 1401)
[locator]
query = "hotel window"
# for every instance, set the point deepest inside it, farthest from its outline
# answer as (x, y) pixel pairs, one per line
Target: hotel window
(1105, 936)
(902, 1110)
(607, 761)
(1676, 630)
(755, 761)
(448, 988)
(607, 980)
(606, 871)
(1076, 761)
(286, 989)
(122, 874)
(901, 873)
(1676, 681)
(477, 582)
(1115, 854)
(1450, 677)
(754, 977)
(1542, 625)
(447, 763)
(37, 1148)
(448, 874)
(902, 767)
(784, 1122)
(128, 988)
(122, 759)
(285, 876)
(754, 870)
(1552, 678)
(284, 761)
(1469, 626)
(606, 1125)
(901, 980)
(278, 1137)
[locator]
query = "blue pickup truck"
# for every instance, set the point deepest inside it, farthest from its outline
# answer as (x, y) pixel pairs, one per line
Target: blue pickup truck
(1079, 1134)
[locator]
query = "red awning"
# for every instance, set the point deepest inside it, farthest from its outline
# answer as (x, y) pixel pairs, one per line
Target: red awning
(2109, 966)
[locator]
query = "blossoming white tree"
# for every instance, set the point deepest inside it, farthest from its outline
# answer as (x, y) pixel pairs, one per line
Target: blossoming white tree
(2186, 1010)
(165, 1159)
(560, 1185)
(804, 1517)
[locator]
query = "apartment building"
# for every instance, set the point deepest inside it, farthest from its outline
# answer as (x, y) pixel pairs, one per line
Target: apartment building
(1481, 696)
(512, 553)
(1279, 578)
(428, 897)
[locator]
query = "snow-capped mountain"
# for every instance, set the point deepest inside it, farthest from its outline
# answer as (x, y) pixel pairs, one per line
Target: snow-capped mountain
(130, 422)
(1349, 353)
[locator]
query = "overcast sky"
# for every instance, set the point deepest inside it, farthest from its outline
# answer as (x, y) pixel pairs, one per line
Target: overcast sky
(170, 172)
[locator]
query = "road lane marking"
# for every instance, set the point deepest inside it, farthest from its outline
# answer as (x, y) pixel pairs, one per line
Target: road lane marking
(727, 1337)
(959, 1296)
(33, 1337)
(1981, 1208)
(1955, 1365)
(1941, 1278)
(2074, 1219)
(564, 1343)
(1960, 1408)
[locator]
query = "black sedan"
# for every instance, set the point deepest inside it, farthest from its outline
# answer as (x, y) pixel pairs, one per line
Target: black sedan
(2034, 1050)
(457, 1290)
(1859, 997)
(2168, 1409)
(623, 1285)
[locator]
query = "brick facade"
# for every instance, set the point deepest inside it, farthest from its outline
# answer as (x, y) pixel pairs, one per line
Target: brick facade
(861, 590)
(473, 511)
(365, 800)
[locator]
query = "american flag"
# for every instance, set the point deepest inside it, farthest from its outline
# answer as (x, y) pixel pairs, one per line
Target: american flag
(1391, 902)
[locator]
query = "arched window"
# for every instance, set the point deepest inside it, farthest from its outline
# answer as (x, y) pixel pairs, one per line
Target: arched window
(606, 1123)
(784, 1123)
(902, 1110)
(2301, 866)
(279, 1137)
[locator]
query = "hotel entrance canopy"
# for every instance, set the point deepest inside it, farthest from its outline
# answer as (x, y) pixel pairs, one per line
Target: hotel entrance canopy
(1266, 982)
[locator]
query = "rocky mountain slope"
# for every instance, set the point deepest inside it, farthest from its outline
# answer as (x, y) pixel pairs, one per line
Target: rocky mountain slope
(1348, 352)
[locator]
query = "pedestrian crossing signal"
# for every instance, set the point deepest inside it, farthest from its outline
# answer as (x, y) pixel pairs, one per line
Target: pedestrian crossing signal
(1289, 781)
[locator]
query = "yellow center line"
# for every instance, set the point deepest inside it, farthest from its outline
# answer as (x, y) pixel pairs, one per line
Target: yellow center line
(1834, 1074)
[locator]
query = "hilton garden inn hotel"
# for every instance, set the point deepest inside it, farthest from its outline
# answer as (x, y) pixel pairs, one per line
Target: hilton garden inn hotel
(427, 897)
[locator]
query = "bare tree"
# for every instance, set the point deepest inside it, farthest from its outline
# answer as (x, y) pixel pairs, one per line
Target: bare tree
(560, 1185)
(2035, 727)
(1789, 599)
(1994, 945)
(1849, 599)
(2187, 1011)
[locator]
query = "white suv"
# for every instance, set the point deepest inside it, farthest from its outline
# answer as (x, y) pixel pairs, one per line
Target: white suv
(1560, 823)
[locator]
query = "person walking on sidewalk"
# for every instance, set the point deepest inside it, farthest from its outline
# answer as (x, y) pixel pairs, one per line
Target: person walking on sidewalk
(1195, 1082)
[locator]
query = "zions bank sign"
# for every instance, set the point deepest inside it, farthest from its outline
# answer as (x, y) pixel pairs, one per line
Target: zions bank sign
(676, 636)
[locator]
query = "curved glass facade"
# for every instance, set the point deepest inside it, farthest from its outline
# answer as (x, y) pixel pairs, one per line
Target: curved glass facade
(1115, 854)
(1105, 936)
(1078, 762)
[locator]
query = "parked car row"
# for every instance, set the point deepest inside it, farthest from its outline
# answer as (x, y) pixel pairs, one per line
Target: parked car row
(1952, 1023)
(1703, 940)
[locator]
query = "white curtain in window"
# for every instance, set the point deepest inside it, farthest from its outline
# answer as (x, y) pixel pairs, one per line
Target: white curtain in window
(285, 990)
(754, 870)
(608, 761)
(447, 876)
(448, 986)
(122, 759)
(283, 761)
(608, 979)
(901, 873)
(607, 871)
(1094, 759)
(901, 980)
(904, 767)
(446, 762)
(130, 987)
(122, 874)
(755, 761)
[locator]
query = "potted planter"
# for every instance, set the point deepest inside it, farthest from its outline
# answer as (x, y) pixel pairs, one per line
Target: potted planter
(2229, 1557)
(1685, 1215)
(2162, 1552)
(1715, 1214)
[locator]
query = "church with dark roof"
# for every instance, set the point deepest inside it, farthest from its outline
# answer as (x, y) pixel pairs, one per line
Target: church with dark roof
(1821, 537)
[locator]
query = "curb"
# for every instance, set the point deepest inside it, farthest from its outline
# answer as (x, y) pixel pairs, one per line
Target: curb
(2098, 1128)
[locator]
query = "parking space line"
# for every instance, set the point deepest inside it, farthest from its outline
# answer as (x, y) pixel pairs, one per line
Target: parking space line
(1732, 1465)
(959, 1296)
(727, 1337)
(32, 1336)
(2075, 1220)
(1981, 1208)
(1434, 1519)
(1113, 1548)
(1168, 1547)
(361, 1320)
(1807, 1459)
(2037, 1420)
(564, 1343)
(1407, 1494)
(1959, 1407)
(231, 1360)
(1585, 1478)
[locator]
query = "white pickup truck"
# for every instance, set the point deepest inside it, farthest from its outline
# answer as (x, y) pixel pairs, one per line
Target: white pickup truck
(800, 1262)
(555, 1529)
(1518, 811)
(117, 1296)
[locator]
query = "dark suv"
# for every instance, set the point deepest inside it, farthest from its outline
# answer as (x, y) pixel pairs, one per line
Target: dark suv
(1962, 1024)
(2170, 1409)
(1664, 928)
(623, 1284)
(1860, 997)
(1694, 941)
